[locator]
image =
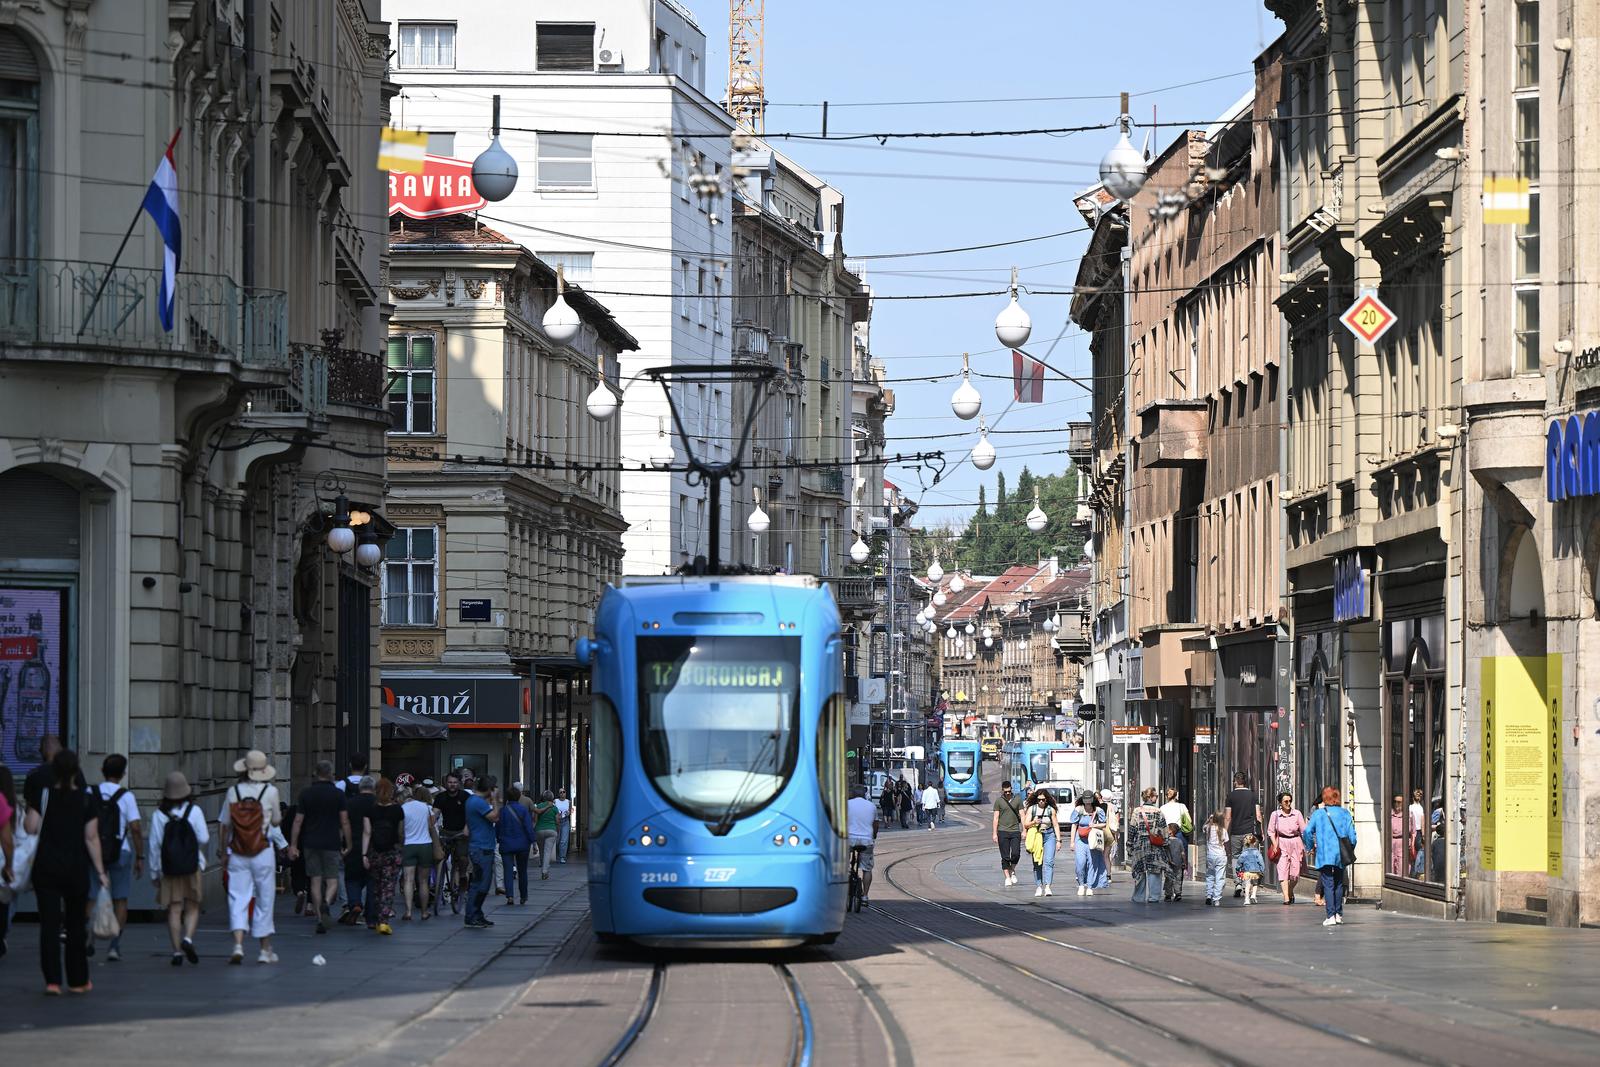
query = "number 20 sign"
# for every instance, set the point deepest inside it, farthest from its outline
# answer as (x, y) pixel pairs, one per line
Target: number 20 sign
(1368, 318)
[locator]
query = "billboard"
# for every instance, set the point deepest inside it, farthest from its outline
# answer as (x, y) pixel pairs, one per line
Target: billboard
(33, 671)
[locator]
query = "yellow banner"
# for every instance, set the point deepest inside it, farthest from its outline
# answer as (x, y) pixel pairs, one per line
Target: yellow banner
(1553, 828)
(402, 150)
(1518, 799)
(1506, 201)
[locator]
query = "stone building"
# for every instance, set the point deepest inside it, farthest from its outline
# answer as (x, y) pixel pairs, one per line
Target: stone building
(170, 489)
(507, 513)
(1528, 528)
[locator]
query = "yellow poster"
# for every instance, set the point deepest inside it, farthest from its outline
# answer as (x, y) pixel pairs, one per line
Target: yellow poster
(1552, 690)
(1517, 797)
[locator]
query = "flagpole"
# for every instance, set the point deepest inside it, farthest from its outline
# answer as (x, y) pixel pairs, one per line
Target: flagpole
(101, 288)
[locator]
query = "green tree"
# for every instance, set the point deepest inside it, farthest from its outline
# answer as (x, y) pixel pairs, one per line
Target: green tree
(991, 542)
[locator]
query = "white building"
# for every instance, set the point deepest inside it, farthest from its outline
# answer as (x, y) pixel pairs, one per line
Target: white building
(604, 109)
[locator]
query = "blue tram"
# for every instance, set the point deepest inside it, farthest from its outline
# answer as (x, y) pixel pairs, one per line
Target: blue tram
(961, 759)
(1056, 765)
(716, 763)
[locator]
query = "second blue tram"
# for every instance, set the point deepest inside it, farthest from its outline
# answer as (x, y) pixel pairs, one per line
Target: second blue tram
(716, 764)
(961, 759)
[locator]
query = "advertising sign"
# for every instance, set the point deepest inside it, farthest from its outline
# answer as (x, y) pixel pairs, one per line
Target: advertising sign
(443, 188)
(32, 671)
(464, 701)
(1352, 587)
(1521, 774)
(1572, 457)
(873, 690)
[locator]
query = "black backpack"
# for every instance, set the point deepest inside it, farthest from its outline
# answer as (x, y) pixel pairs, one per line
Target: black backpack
(180, 849)
(110, 823)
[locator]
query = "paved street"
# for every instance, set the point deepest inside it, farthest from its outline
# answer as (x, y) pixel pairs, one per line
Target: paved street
(944, 964)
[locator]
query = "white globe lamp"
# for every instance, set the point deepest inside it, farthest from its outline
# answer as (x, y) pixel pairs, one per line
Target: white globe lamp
(860, 551)
(661, 453)
(1122, 170)
(602, 402)
(1012, 326)
(758, 521)
(983, 454)
(966, 401)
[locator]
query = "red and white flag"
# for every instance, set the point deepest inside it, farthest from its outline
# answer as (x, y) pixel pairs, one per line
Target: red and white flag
(1027, 377)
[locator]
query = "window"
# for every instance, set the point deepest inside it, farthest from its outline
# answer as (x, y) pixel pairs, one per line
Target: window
(700, 296)
(1525, 266)
(1415, 822)
(410, 577)
(1528, 137)
(605, 761)
(19, 170)
(683, 288)
(579, 266)
(427, 44)
(411, 383)
(566, 161)
(565, 45)
(716, 304)
(826, 547)
(831, 731)
(1527, 44)
(1527, 329)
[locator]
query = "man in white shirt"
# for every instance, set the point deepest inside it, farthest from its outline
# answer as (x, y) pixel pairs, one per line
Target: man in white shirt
(563, 824)
(861, 817)
(128, 863)
(930, 805)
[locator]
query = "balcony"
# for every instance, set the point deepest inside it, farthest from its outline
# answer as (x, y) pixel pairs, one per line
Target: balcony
(828, 481)
(769, 464)
(355, 378)
(1080, 443)
(304, 394)
(52, 304)
(751, 343)
(853, 594)
(791, 356)
(1172, 433)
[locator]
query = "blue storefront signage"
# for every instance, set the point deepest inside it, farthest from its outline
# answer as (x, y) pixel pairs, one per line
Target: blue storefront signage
(1352, 588)
(1572, 457)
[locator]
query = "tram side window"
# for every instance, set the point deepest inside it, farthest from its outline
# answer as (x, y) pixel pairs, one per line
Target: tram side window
(605, 762)
(830, 762)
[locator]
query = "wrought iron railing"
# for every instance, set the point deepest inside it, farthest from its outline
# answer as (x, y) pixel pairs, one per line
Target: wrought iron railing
(55, 303)
(750, 342)
(356, 378)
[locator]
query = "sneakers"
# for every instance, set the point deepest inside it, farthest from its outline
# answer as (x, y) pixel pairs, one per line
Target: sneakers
(1038, 890)
(114, 953)
(1331, 920)
(177, 959)
(385, 928)
(1047, 891)
(1338, 920)
(236, 957)
(267, 956)
(1088, 892)
(477, 924)
(1082, 889)
(189, 952)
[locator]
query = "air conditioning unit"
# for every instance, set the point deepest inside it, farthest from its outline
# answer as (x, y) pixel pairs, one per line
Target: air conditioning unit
(609, 59)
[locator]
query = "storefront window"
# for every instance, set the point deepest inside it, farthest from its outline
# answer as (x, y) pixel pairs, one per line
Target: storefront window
(1414, 821)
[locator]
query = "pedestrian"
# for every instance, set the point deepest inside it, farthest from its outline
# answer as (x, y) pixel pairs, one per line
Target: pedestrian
(1177, 861)
(1006, 831)
(451, 804)
(1250, 865)
(1397, 835)
(1041, 816)
(350, 784)
(944, 798)
(322, 828)
(1176, 813)
(563, 824)
(1112, 805)
(906, 802)
(250, 810)
(1285, 827)
(930, 804)
(382, 841)
(1242, 818)
(359, 884)
(177, 862)
(514, 833)
(1331, 829)
(1089, 823)
(121, 842)
(482, 812)
(1418, 836)
(417, 860)
(1216, 842)
(545, 831)
(889, 802)
(861, 825)
(69, 846)
(10, 827)
(39, 779)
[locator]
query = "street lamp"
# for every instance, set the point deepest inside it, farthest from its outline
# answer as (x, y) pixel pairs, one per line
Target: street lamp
(983, 454)
(1123, 170)
(758, 520)
(341, 538)
(561, 321)
(956, 584)
(602, 402)
(1012, 326)
(368, 551)
(939, 598)
(1037, 520)
(966, 401)
(860, 551)
(935, 572)
(661, 454)
(494, 172)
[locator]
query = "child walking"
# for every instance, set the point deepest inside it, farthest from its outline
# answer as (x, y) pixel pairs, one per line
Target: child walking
(1250, 866)
(1216, 839)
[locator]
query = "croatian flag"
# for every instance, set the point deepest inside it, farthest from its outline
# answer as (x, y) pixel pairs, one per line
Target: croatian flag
(161, 203)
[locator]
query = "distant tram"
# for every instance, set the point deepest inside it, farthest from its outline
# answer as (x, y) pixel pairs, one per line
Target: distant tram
(1057, 766)
(716, 763)
(961, 759)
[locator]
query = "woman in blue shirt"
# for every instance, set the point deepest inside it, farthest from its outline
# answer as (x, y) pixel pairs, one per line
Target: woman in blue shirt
(1089, 862)
(515, 834)
(1329, 825)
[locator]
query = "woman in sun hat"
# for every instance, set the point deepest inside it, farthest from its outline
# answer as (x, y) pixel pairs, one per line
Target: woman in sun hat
(250, 811)
(179, 893)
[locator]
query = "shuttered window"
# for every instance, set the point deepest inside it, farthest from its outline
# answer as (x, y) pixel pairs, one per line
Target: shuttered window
(565, 45)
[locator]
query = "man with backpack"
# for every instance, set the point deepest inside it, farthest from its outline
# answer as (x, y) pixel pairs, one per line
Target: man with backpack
(250, 810)
(121, 842)
(178, 838)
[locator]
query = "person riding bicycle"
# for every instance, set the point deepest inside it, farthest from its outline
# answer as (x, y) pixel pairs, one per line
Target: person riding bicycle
(862, 819)
(452, 805)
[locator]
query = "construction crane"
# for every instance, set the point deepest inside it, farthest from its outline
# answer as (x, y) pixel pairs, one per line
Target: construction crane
(747, 94)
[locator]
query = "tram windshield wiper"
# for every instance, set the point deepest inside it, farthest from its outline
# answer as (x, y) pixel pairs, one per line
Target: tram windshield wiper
(725, 821)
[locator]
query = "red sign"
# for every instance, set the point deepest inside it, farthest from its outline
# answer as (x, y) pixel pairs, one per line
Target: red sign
(1368, 318)
(443, 188)
(19, 647)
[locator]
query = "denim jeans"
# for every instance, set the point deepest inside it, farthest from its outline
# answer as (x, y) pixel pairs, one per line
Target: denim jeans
(482, 860)
(1044, 873)
(1216, 872)
(1332, 881)
(1090, 865)
(564, 832)
(516, 872)
(357, 887)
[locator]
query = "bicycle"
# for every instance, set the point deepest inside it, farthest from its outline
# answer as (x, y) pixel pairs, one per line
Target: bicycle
(857, 897)
(446, 885)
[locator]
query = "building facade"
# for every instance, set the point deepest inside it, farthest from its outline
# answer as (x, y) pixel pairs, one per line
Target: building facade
(507, 509)
(605, 111)
(171, 485)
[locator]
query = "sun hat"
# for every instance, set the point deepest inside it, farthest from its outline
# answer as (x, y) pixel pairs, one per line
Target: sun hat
(255, 767)
(177, 787)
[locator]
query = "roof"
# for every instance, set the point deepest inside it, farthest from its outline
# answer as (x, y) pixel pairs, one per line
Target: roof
(1015, 585)
(464, 233)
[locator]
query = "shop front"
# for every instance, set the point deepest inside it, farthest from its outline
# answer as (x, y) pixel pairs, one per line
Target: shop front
(487, 717)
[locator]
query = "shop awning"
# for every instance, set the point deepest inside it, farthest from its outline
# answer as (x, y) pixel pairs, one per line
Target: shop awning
(401, 725)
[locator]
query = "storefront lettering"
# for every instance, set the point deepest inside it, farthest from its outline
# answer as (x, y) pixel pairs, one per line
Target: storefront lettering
(1572, 457)
(1351, 588)
(436, 706)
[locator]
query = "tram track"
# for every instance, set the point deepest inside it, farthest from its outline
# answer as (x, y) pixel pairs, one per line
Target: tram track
(802, 1037)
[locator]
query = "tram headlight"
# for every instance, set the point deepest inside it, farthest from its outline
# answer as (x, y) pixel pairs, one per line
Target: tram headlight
(646, 840)
(661, 839)
(777, 839)
(793, 840)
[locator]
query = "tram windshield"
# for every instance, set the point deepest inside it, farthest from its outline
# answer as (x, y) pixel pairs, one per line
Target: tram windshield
(960, 763)
(1039, 766)
(718, 729)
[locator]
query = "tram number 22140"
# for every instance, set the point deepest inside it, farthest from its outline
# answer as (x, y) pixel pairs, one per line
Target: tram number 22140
(658, 877)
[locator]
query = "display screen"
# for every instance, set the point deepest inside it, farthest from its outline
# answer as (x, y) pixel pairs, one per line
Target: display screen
(960, 763)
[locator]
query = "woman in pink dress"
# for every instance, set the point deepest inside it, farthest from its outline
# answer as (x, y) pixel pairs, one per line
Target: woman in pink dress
(1284, 827)
(1397, 836)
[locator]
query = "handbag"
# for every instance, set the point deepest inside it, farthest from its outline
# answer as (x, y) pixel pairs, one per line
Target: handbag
(105, 918)
(1097, 840)
(1347, 852)
(24, 849)
(1273, 852)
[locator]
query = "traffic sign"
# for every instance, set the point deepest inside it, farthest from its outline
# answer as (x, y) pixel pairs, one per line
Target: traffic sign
(1368, 318)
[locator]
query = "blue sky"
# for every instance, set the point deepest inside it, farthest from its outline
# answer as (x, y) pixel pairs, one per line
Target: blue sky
(911, 196)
